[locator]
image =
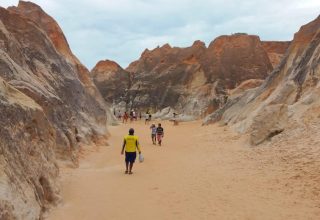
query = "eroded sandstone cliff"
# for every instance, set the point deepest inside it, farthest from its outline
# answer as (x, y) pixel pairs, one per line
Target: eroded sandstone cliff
(28, 167)
(275, 50)
(49, 107)
(286, 99)
(193, 81)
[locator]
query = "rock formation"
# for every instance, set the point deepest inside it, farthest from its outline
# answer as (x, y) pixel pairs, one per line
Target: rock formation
(27, 161)
(54, 32)
(287, 98)
(111, 80)
(275, 50)
(193, 81)
(49, 107)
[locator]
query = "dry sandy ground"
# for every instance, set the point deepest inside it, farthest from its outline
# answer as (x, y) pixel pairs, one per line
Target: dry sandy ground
(199, 173)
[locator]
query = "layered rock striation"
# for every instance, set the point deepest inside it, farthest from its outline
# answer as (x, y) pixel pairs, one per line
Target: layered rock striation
(275, 50)
(49, 108)
(112, 81)
(194, 81)
(286, 99)
(28, 164)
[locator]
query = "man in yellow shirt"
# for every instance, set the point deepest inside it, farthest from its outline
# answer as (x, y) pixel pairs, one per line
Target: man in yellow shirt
(130, 146)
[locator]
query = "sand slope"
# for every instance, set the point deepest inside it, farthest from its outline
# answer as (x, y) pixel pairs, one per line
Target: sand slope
(200, 173)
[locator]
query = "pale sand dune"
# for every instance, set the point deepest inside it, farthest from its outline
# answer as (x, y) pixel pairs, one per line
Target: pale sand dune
(200, 173)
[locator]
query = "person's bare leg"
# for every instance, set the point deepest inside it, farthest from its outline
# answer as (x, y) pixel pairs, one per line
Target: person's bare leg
(127, 166)
(130, 167)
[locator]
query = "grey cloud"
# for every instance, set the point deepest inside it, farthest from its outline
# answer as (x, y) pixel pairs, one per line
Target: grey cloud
(121, 29)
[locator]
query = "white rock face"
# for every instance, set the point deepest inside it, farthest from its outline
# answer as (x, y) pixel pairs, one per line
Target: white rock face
(49, 108)
(28, 168)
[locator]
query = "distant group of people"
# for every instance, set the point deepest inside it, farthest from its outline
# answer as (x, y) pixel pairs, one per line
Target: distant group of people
(132, 115)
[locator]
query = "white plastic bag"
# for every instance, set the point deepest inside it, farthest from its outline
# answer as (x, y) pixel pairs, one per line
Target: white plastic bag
(141, 158)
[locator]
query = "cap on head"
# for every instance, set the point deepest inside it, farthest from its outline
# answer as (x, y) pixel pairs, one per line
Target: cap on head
(131, 131)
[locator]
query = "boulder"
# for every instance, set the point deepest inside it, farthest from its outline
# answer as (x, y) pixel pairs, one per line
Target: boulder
(269, 121)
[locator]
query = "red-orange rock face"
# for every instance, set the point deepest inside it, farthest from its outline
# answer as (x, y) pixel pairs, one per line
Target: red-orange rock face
(193, 80)
(287, 98)
(54, 32)
(111, 79)
(306, 33)
(275, 50)
(106, 65)
(237, 58)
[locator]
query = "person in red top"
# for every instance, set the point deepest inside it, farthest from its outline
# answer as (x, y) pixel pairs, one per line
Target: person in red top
(160, 134)
(125, 117)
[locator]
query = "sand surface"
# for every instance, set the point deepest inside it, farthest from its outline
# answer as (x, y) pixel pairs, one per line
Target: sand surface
(199, 173)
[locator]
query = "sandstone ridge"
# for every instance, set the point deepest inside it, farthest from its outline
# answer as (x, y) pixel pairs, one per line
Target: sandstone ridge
(193, 81)
(286, 100)
(49, 109)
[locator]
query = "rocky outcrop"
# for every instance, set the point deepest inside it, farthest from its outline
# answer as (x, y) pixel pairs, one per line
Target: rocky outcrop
(294, 84)
(192, 81)
(28, 168)
(50, 26)
(32, 11)
(237, 58)
(276, 50)
(31, 63)
(111, 80)
(245, 85)
(270, 121)
(49, 108)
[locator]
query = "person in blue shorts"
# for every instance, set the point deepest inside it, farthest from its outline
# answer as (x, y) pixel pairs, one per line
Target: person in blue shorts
(130, 147)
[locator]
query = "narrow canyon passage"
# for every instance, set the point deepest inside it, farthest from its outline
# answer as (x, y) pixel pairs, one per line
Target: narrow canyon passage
(199, 173)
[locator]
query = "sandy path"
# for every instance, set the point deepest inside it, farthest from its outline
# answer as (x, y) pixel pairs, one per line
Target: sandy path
(199, 173)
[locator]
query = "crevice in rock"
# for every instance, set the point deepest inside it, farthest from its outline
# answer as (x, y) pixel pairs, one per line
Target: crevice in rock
(274, 133)
(46, 189)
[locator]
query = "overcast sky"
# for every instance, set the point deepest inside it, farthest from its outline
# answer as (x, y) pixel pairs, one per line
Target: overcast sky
(121, 29)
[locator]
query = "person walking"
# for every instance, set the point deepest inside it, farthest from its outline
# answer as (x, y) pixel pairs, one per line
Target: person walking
(119, 115)
(134, 115)
(147, 118)
(160, 134)
(153, 133)
(129, 147)
(125, 117)
(131, 116)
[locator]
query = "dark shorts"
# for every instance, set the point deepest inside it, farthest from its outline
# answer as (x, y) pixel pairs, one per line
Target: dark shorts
(131, 157)
(153, 136)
